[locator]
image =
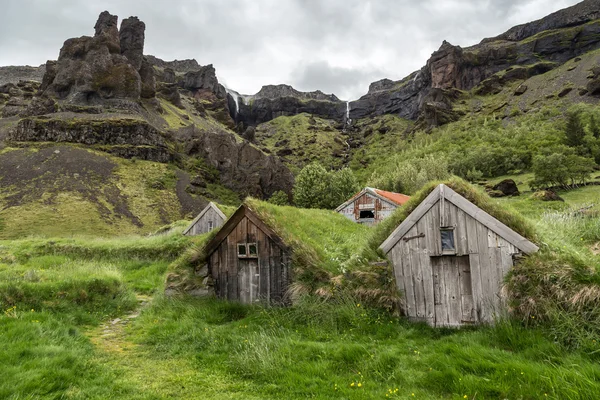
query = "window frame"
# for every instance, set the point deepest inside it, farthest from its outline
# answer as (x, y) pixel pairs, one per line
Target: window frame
(448, 251)
(247, 253)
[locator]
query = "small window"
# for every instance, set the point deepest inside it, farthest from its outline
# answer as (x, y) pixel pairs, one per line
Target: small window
(252, 250)
(447, 236)
(210, 225)
(367, 214)
(247, 250)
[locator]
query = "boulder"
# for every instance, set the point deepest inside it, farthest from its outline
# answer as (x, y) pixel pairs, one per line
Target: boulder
(242, 167)
(547, 195)
(521, 89)
(507, 187)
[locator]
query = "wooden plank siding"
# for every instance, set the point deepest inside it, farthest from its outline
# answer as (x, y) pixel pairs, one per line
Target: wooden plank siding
(210, 218)
(366, 201)
(452, 289)
(264, 278)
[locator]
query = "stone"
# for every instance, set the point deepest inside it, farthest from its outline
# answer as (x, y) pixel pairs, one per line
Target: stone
(507, 187)
(521, 89)
(131, 39)
(547, 195)
(565, 91)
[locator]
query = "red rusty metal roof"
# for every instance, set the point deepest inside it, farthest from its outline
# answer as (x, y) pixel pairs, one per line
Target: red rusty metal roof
(391, 197)
(397, 198)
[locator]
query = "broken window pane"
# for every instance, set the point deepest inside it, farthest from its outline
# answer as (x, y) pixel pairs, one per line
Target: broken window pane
(367, 214)
(447, 236)
(242, 250)
(252, 250)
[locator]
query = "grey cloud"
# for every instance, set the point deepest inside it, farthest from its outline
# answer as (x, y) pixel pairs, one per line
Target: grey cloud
(343, 82)
(334, 45)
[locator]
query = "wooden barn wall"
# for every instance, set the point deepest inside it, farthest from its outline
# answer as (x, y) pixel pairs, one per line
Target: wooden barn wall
(490, 258)
(201, 226)
(383, 209)
(273, 263)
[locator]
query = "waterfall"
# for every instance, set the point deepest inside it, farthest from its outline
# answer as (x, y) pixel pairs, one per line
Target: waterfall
(416, 76)
(236, 98)
(348, 120)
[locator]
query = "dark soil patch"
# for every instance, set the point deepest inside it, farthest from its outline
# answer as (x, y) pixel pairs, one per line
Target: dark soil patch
(27, 175)
(189, 204)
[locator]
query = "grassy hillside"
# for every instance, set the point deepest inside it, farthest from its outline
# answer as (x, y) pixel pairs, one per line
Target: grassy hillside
(86, 318)
(64, 190)
(98, 327)
(301, 139)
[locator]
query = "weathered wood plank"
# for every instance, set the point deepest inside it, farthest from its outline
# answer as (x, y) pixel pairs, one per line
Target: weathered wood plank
(424, 226)
(485, 271)
(411, 304)
(441, 317)
(412, 219)
(490, 222)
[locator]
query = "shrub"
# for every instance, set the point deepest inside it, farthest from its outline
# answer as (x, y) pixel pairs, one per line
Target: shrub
(564, 170)
(410, 176)
(318, 188)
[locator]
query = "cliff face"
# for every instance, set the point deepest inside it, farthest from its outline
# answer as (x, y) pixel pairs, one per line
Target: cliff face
(274, 101)
(540, 45)
(104, 93)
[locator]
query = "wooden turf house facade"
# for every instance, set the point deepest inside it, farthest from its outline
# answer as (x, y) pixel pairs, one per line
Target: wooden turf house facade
(450, 258)
(248, 262)
(371, 206)
(210, 218)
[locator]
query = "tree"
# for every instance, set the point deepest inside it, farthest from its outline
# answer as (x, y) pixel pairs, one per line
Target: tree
(343, 186)
(564, 170)
(574, 132)
(310, 189)
(594, 128)
(279, 198)
(316, 187)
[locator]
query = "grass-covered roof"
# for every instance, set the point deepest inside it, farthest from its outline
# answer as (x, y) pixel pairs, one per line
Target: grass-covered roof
(509, 217)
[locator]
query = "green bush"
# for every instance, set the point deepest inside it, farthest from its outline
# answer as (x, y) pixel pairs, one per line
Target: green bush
(316, 187)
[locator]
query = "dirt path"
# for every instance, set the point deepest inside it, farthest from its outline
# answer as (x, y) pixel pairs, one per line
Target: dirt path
(111, 336)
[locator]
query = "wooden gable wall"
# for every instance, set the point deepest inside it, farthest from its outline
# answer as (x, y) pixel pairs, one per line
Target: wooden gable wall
(382, 209)
(432, 289)
(235, 278)
(202, 225)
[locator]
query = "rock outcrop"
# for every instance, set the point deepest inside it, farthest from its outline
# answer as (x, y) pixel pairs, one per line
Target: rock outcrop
(520, 53)
(273, 101)
(14, 74)
(92, 69)
(242, 167)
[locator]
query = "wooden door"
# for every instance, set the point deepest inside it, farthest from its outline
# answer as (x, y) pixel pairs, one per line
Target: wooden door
(248, 280)
(452, 291)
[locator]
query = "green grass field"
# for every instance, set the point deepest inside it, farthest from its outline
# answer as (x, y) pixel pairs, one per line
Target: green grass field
(87, 318)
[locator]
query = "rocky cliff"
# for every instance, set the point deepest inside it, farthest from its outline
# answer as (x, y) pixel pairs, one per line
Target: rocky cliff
(105, 94)
(274, 101)
(523, 51)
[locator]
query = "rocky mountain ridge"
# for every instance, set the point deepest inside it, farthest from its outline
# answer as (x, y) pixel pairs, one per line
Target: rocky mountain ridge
(104, 93)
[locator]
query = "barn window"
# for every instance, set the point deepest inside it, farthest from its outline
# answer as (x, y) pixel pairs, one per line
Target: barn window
(367, 214)
(247, 250)
(447, 237)
(210, 225)
(252, 250)
(242, 251)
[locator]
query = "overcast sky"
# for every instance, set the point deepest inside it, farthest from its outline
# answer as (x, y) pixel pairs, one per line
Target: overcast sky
(337, 46)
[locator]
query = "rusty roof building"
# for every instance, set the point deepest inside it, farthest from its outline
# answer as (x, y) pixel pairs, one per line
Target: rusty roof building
(370, 206)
